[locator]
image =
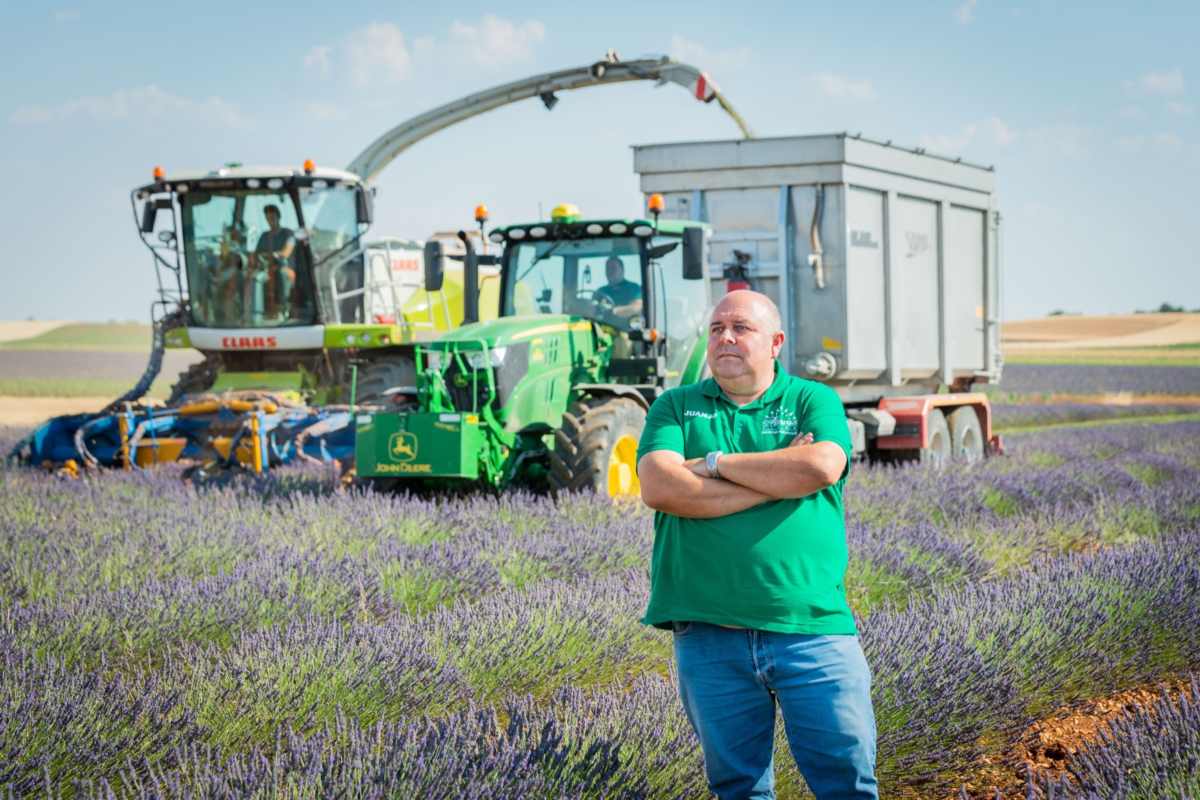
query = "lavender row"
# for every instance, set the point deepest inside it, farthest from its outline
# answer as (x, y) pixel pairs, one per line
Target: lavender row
(1015, 416)
(317, 700)
(1098, 379)
(1147, 752)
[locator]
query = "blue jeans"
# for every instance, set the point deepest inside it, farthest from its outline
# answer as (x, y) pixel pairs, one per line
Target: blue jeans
(730, 680)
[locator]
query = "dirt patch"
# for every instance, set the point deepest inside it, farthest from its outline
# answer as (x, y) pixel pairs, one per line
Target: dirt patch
(1124, 399)
(1049, 743)
(15, 331)
(1118, 330)
(29, 411)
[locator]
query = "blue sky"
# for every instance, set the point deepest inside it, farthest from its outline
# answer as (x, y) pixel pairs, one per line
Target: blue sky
(1090, 113)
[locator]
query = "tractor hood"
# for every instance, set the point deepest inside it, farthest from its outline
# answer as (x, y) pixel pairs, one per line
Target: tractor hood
(514, 330)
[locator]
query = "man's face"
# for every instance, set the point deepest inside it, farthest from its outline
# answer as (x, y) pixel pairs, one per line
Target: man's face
(614, 270)
(743, 339)
(272, 217)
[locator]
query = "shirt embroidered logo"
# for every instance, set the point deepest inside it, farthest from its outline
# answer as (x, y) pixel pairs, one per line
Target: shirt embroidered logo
(781, 420)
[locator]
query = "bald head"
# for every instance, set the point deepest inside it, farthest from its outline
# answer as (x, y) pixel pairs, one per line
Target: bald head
(745, 336)
(754, 305)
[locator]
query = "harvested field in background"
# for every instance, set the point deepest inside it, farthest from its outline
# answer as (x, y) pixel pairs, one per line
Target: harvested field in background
(112, 336)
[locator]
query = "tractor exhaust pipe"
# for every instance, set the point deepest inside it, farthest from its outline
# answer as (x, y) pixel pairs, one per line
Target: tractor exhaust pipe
(470, 281)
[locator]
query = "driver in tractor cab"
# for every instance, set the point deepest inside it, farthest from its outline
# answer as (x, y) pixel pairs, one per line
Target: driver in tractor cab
(274, 254)
(620, 298)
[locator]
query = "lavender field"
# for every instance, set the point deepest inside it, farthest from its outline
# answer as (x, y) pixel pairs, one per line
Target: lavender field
(282, 639)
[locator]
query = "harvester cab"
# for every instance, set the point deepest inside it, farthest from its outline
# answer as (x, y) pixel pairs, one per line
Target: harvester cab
(596, 318)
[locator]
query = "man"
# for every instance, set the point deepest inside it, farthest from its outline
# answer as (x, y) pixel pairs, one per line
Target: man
(745, 472)
(619, 297)
(274, 254)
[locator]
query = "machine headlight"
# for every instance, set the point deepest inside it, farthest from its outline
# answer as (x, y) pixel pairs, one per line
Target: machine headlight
(496, 236)
(538, 232)
(275, 183)
(642, 230)
(181, 188)
(595, 229)
(253, 183)
(516, 233)
(618, 227)
(496, 356)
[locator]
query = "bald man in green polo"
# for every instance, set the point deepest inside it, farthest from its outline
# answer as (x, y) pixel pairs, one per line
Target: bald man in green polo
(745, 471)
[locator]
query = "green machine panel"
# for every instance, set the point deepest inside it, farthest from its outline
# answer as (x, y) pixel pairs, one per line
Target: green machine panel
(418, 445)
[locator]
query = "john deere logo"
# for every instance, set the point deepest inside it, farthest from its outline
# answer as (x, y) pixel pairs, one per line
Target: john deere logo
(403, 446)
(460, 381)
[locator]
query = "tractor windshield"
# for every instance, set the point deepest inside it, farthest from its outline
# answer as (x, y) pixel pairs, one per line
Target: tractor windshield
(245, 265)
(598, 278)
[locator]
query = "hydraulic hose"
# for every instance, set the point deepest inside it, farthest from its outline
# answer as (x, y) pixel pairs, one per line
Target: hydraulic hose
(153, 366)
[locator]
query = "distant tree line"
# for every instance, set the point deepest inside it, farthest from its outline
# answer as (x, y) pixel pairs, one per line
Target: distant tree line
(1165, 308)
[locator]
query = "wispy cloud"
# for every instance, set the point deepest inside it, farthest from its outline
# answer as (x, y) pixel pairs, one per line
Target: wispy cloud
(992, 130)
(1167, 82)
(317, 58)
(1180, 109)
(1131, 112)
(1166, 142)
(493, 41)
(381, 52)
(841, 87)
(377, 52)
(692, 52)
(325, 112)
(66, 15)
(965, 13)
(137, 103)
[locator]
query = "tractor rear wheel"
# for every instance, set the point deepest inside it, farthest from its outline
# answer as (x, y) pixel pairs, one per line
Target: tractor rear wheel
(596, 447)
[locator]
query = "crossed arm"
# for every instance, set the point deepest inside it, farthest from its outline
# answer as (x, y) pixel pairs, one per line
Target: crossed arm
(679, 486)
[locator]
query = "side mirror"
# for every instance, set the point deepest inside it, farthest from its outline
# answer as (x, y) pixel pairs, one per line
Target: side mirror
(693, 254)
(150, 213)
(365, 207)
(435, 266)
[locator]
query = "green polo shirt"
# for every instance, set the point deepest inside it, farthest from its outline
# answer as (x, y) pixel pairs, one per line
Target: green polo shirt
(779, 566)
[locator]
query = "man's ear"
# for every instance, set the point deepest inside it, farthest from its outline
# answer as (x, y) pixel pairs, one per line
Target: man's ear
(776, 344)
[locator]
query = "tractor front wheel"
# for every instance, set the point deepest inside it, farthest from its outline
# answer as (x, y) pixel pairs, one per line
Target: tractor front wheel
(596, 447)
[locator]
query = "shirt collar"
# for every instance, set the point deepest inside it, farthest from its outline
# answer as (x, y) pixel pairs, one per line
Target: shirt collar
(710, 388)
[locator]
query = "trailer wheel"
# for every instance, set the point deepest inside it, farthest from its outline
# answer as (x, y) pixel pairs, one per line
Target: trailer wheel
(937, 452)
(596, 447)
(966, 435)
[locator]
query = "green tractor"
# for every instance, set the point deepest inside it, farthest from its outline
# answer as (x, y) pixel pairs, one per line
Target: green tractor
(595, 319)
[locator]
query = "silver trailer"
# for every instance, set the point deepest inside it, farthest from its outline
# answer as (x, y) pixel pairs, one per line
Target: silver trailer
(884, 261)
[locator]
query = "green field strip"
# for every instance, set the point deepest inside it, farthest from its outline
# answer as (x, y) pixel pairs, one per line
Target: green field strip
(1150, 419)
(113, 337)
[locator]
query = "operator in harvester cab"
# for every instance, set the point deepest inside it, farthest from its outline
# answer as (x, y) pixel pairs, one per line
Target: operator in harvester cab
(619, 298)
(274, 254)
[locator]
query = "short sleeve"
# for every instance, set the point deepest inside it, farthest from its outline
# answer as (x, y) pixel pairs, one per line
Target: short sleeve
(822, 414)
(664, 427)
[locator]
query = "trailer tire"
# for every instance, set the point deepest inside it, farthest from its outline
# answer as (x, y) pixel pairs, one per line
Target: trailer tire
(938, 451)
(966, 435)
(196, 379)
(595, 449)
